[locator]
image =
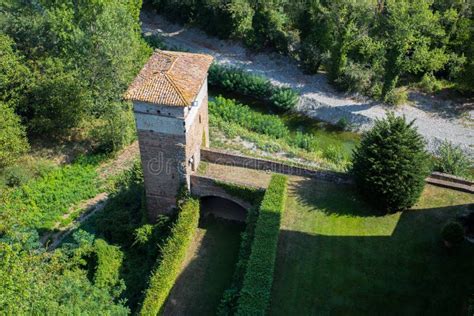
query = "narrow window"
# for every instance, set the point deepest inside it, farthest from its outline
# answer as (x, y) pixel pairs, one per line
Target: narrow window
(200, 119)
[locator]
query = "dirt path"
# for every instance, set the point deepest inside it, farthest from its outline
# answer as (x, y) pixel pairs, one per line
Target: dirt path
(436, 119)
(87, 208)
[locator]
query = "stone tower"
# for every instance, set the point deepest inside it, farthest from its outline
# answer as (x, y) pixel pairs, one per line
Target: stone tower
(170, 105)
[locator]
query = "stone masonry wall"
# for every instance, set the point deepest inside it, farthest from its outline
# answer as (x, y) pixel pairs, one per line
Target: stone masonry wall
(227, 158)
(162, 156)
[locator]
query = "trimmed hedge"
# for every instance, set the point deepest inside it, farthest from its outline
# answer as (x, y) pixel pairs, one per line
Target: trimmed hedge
(239, 81)
(258, 279)
(172, 256)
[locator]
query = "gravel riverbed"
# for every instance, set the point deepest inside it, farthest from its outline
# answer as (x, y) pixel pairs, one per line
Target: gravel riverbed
(436, 119)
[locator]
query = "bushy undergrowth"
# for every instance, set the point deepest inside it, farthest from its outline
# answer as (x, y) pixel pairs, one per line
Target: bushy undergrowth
(231, 111)
(270, 133)
(41, 202)
(172, 255)
(51, 283)
(109, 262)
(451, 159)
(122, 224)
(239, 81)
(257, 283)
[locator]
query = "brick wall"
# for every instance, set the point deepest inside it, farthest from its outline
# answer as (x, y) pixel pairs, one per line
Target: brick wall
(226, 158)
(162, 156)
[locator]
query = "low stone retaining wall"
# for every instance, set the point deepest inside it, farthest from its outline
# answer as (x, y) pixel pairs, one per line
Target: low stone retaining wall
(226, 158)
(451, 182)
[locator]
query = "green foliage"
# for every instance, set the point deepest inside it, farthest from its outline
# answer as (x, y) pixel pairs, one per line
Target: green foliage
(231, 111)
(429, 83)
(390, 164)
(368, 47)
(123, 223)
(284, 98)
(453, 232)
(396, 96)
(39, 282)
(334, 154)
(109, 262)
(55, 90)
(154, 40)
(172, 255)
(451, 159)
(235, 120)
(228, 304)
(13, 142)
(74, 61)
(258, 279)
(239, 81)
(41, 202)
(251, 195)
(14, 74)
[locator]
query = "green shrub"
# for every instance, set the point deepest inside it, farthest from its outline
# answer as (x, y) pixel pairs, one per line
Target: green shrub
(284, 98)
(154, 40)
(231, 111)
(304, 141)
(13, 141)
(16, 176)
(453, 232)
(451, 159)
(237, 80)
(333, 154)
(429, 83)
(229, 299)
(173, 253)
(41, 202)
(258, 279)
(342, 124)
(356, 78)
(390, 164)
(109, 262)
(397, 96)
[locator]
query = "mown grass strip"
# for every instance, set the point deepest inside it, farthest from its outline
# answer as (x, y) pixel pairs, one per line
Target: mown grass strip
(172, 256)
(258, 279)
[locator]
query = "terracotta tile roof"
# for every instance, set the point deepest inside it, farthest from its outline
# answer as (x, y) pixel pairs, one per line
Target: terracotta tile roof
(170, 78)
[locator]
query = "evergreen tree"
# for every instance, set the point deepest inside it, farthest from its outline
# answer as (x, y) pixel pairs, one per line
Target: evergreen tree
(390, 164)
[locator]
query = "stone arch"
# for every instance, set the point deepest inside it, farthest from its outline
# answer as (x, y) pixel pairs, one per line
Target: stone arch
(223, 207)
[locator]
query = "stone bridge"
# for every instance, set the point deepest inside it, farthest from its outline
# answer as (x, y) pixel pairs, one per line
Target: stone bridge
(203, 186)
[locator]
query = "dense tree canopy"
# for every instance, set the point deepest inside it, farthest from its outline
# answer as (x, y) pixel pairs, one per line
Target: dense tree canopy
(68, 62)
(64, 65)
(366, 46)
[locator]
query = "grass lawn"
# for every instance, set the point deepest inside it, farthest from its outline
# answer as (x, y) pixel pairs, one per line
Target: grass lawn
(337, 256)
(208, 269)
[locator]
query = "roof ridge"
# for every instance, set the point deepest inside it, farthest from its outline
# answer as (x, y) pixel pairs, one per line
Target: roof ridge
(177, 89)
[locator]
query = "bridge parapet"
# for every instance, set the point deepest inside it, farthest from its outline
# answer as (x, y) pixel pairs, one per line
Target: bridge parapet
(205, 186)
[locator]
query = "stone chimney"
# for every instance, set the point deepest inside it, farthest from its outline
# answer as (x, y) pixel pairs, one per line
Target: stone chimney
(170, 98)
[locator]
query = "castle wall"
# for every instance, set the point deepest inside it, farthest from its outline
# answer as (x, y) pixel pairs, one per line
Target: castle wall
(197, 129)
(169, 137)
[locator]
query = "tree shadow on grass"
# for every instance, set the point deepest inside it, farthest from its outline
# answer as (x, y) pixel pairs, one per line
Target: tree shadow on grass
(332, 198)
(407, 273)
